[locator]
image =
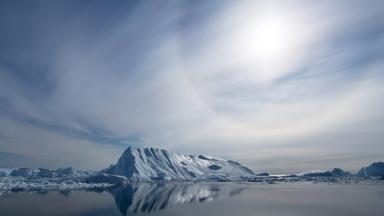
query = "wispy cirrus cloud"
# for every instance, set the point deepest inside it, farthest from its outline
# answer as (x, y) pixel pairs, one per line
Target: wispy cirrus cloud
(190, 76)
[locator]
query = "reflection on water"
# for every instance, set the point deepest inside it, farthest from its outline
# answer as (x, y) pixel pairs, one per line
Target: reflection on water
(153, 197)
(214, 199)
(132, 199)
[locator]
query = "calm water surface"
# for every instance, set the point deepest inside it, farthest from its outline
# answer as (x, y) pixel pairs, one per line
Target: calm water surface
(216, 199)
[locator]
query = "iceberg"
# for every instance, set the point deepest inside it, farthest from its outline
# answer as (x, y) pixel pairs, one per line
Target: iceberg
(151, 164)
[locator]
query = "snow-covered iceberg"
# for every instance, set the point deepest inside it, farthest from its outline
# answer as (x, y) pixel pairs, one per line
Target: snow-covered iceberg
(44, 173)
(32, 179)
(375, 169)
(336, 172)
(106, 178)
(150, 164)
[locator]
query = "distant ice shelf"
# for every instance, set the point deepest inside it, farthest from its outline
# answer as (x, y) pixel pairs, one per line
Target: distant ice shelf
(16, 184)
(27, 179)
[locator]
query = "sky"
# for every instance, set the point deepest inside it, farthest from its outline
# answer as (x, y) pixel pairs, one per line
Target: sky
(280, 86)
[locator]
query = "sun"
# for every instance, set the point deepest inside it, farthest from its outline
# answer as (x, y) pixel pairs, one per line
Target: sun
(265, 43)
(270, 38)
(265, 40)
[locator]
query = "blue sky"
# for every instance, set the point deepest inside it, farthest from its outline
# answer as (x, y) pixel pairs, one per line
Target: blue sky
(280, 86)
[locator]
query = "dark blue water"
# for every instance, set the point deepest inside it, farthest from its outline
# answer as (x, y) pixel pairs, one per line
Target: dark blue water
(216, 199)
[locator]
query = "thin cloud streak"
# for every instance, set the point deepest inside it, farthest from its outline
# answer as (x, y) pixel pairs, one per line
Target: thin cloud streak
(102, 81)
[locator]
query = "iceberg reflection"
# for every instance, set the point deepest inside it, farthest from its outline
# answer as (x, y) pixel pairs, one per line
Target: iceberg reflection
(147, 197)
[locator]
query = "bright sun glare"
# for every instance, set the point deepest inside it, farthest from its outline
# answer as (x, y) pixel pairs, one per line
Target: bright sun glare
(265, 42)
(270, 38)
